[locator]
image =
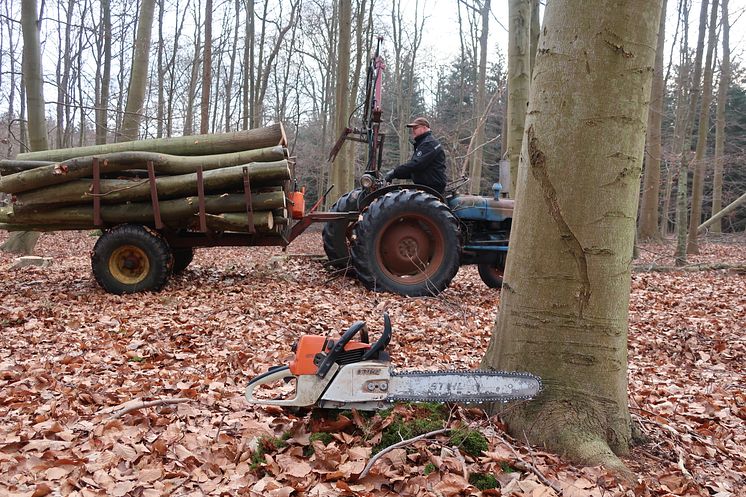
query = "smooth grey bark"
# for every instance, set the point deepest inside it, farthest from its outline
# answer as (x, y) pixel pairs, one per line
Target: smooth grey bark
(565, 297)
(722, 101)
(692, 245)
(139, 74)
(649, 213)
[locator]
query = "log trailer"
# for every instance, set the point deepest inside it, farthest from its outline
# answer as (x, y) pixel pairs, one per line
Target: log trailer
(404, 238)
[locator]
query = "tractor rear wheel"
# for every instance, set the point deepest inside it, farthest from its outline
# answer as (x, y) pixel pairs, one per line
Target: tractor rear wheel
(492, 274)
(336, 233)
(407, 242)
(131, 258)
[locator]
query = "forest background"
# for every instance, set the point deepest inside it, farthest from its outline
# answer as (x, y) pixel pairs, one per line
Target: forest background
(281, 65)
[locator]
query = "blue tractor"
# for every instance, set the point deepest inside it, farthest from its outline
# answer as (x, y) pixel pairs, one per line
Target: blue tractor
(409, 239)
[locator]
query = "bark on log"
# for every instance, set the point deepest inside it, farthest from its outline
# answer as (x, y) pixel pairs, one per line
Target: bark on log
(117, 191)
(79, 192)
(82, 167)
(177, 214)
(263, 222)
(222, 143)
(8, 167)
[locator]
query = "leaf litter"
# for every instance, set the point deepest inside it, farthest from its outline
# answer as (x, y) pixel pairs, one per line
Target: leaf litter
(71, 356)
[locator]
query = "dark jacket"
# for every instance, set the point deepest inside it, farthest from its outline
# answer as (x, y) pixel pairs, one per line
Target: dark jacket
(427, 165)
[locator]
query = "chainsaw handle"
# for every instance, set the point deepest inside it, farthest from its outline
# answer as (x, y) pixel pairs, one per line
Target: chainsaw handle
(381, 343)
(274, 374)
(338, 347)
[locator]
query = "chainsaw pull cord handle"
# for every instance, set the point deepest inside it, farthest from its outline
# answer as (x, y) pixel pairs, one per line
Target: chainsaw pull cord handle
(381, 343)
(339, 346)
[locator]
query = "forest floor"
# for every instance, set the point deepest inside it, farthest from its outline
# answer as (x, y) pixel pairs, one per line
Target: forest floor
(72, 355)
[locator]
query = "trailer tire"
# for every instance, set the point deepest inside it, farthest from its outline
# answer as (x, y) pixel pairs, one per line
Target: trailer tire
(492, 274)
(182, 258)
(407, 242)
(335, 233)
(131, 258)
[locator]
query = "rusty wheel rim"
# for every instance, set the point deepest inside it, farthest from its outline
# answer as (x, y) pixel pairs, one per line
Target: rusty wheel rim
(410, 248)
(129, 264)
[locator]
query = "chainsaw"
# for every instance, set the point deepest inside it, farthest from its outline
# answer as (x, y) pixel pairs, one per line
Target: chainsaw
(347, 374)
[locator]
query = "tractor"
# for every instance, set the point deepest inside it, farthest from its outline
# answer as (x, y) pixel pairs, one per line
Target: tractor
(407, 238)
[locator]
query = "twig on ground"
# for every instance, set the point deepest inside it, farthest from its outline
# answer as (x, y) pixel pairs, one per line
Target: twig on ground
(131, 405)
(220, 426)
(388, 449)
(530, 467)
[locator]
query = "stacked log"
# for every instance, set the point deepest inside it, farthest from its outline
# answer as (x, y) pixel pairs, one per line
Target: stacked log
(54, 190)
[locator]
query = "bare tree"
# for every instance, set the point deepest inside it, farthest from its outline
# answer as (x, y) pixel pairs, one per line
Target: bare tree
(206, 71)
(564, 303)
(477, 157)
(342, 171)
(648, 229)
(702, 131)
(23, 242)
(717, 181)
(519, 78)
(139, 73)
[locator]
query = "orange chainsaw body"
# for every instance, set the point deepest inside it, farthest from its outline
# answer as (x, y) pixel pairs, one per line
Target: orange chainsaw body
(310, 345)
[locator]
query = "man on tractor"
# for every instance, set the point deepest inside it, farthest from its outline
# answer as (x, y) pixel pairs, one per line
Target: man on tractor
(428, 163)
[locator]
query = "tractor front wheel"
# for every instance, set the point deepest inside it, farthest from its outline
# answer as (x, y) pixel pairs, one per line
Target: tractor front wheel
(407, 242)
(336, 233)
(492, 274)
(131, 258)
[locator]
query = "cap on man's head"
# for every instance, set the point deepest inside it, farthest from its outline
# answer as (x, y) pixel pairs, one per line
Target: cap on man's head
(420, 121)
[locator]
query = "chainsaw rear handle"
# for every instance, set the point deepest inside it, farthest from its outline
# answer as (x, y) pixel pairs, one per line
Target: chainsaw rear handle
(331, 357)
(375, 351)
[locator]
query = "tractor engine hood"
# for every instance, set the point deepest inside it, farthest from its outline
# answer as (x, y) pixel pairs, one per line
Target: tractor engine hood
(476, 208)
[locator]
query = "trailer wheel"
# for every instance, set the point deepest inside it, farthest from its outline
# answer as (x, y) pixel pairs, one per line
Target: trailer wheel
(492, 274)
(182, 258)
(407, 242)
(336, 233)
(130, 258)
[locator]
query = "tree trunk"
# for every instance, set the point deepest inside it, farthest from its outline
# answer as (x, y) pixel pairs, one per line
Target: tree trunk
(204, 123)
(139, 75)
(193, 78)
(565, 295)
(715, 219)
(692, 247)
(648, 229)
(161, 104)
(681, 195)
(717, 180)
(24, 242)
(248, 65)
(32, 73)
(519, 78)
(342, 171)
(270, 136)
(477, 158)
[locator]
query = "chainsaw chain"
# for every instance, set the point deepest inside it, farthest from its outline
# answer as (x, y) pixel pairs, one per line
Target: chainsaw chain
(465, 372)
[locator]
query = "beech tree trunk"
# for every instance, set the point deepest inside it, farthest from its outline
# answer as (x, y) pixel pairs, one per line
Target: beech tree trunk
(139, 74)
(692, 247)
(204, 123)
(24, 242)
(565, 296)
(102, 114)
(477, 158)
(519, 78)
(648, 229)
(681, 195)
(717, 179)
(342, 172)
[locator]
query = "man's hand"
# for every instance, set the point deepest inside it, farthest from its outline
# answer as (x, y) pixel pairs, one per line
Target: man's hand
(388, 176)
